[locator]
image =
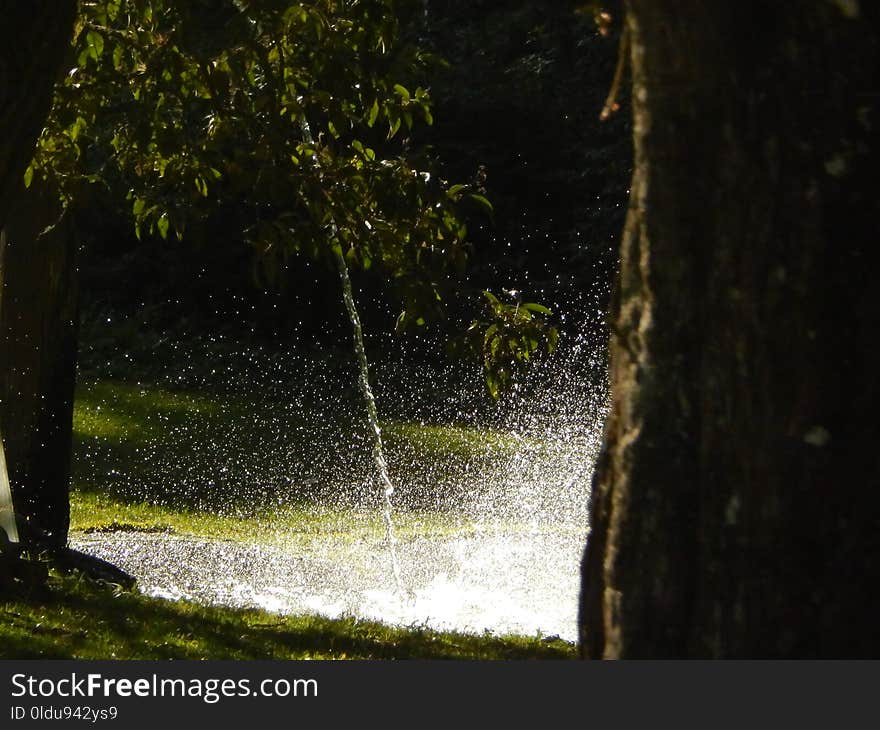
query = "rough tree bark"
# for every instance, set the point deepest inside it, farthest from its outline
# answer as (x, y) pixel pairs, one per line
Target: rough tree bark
(36, 324)
(736, 508)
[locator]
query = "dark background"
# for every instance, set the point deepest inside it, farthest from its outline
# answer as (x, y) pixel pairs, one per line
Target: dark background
(516, 109)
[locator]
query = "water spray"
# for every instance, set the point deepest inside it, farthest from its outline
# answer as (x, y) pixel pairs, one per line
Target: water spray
(501, 493)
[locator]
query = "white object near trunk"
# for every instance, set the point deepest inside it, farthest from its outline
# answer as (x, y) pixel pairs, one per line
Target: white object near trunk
(7, 512)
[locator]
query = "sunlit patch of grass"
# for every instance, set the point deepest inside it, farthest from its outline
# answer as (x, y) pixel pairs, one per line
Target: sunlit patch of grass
(91, 512)
(107, 425)
(439, 439)
(116, 410)
(72, 618)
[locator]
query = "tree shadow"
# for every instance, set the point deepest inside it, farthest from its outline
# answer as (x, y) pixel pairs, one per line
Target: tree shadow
(74, 618)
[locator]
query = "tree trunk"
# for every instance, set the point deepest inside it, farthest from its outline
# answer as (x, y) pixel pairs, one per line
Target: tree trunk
(38, 345)
(35, 351)
(34, 39)
(735, 505)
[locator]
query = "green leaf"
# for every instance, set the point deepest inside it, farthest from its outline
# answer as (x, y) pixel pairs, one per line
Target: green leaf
(162, 225)
(402, 92)
(483, 202)
(374, 114)
(535, 307)
(75, 128)
(95, 42)
(395, 125)
(117, 57)
(28, 176)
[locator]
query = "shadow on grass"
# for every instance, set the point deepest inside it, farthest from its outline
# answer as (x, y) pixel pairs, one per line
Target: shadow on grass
(73, 618)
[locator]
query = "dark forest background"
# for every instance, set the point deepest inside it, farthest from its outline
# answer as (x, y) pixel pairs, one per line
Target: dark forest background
(517, 89)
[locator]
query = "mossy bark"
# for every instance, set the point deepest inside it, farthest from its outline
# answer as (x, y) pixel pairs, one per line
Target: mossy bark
(735, 508)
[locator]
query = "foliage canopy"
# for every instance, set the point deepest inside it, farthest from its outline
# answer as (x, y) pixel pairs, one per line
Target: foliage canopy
(293, 119)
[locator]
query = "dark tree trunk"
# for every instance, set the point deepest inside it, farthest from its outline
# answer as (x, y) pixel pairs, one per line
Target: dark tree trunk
(38, 345)
(34, 39)
(36, 300)
(736, 504)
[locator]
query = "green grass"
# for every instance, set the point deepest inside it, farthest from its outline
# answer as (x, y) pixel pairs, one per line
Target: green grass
(73, 618)
(91, 512)
(226, 454)
(128, 435)
(135, 444)
(95, 512)
(447, 440)
(122, 411)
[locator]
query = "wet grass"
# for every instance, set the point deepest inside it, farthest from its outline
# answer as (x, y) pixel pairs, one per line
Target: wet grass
(153, 458)
(93, 512)
(72, 617)
(150, 458)
(250, 457)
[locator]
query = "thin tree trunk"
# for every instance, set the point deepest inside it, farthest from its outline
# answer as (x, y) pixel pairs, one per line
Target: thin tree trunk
(735, 505)
(35, 351)
(38, 345)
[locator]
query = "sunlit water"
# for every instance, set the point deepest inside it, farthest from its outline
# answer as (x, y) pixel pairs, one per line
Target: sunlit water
(513, 514)
(523, 584)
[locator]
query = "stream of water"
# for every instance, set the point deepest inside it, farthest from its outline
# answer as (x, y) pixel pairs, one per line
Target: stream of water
(366, 390)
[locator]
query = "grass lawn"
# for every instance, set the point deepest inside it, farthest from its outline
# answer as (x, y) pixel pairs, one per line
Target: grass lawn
(73, 618)
(153, 458)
